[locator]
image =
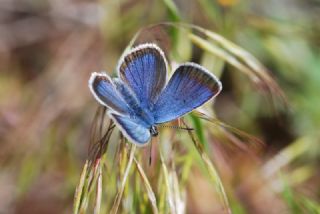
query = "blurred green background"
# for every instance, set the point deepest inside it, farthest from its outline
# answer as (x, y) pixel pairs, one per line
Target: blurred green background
(48, 48)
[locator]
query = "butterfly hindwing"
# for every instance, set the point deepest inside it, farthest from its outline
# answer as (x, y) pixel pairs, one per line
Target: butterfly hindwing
(135, 132)
(144, 69)
(190, 86)
(106, 94)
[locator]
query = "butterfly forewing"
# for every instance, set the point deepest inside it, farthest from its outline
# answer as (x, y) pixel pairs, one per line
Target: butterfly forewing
(190, 86)
(106, 94)
(144, 69)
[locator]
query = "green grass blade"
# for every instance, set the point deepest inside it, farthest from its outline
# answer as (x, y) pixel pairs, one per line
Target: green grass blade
(221, 53)
(118, 198)
(285, 156)
(290, 199)
(79, 189)
(230, 131)
(173, 10)
(212, 172)
(150, 192)
(97, 205)
(310, 205)
(170, 196)
(199, 130)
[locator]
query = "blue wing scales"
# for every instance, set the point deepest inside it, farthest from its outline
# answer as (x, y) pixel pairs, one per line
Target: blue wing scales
(105, 93)
(135, 132)
(144, 69)
(190, 86)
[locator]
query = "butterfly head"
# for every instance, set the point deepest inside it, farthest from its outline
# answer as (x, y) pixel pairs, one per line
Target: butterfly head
(153, 131)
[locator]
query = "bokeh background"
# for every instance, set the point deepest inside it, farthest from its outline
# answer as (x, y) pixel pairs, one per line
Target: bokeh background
(48, 48)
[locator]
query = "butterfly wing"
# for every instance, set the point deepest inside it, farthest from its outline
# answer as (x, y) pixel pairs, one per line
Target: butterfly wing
(190, 86)
(106, 94)
(132, 130)
(127, 94)
(144, 69)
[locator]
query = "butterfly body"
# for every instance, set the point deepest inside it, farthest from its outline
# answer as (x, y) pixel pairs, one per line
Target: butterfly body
(141, 98)
(141, 114)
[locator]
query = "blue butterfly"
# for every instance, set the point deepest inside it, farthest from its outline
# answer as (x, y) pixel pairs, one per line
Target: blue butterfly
(140, 98)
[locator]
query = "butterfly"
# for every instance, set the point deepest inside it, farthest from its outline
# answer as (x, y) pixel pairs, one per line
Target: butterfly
(140, 98)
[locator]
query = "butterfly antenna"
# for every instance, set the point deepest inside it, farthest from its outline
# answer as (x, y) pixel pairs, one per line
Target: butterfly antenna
(177, 127)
